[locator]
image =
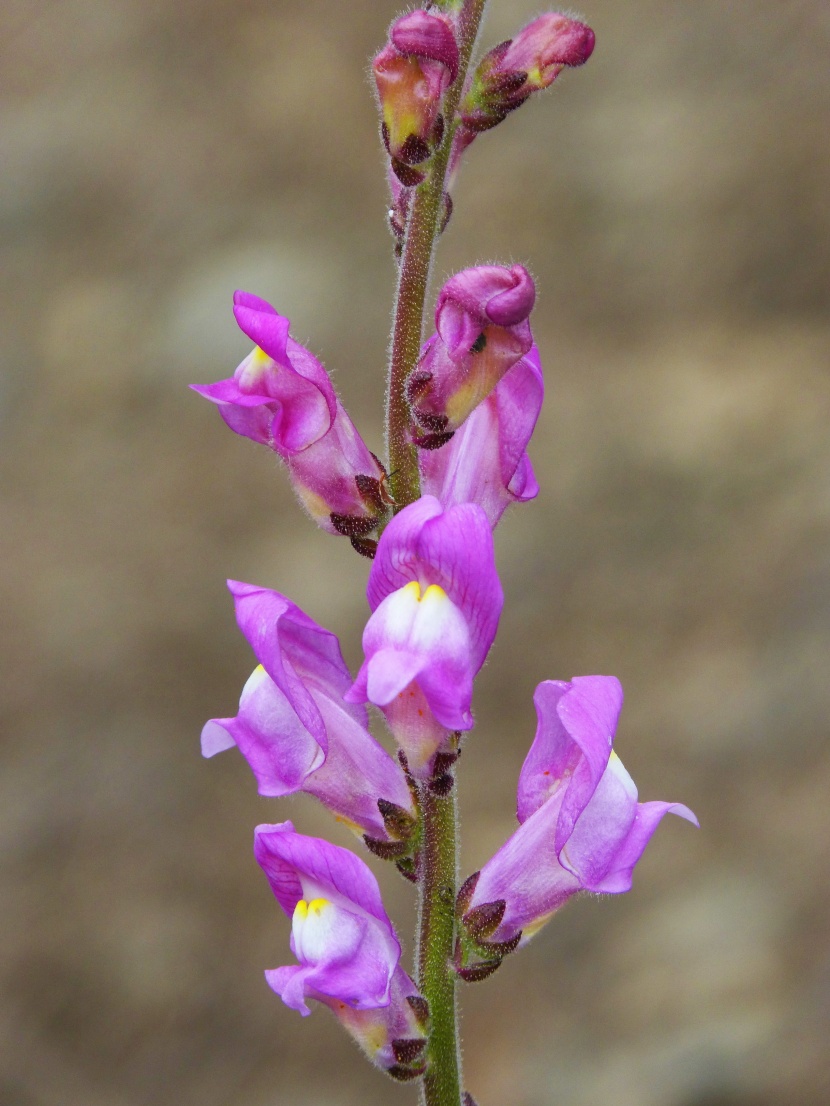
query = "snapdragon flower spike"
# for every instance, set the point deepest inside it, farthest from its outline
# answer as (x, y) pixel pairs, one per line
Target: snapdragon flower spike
(486, 460)
(510, 72)
(294, 727)
(412, 73)
(347, 951)
(581, 826)
(281, 396)
(483, 330)
(436, 600)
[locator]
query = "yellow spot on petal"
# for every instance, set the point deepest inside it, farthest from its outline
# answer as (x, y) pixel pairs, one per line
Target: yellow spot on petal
(317, 906)
(435, 593)
(260, 358)
(414, 589)
(301, 909)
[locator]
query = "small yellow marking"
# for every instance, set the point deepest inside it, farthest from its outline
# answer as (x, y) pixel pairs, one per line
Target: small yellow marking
(259, 357)
(301, 909)
(317, 906)
(435, 592)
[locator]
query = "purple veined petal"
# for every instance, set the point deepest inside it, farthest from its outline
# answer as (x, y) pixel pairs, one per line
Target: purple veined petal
(452, 548)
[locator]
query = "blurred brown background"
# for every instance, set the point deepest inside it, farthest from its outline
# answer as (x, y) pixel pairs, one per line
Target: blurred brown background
(672, 200)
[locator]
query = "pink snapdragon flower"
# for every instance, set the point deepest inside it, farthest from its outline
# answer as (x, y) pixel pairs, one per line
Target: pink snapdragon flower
(436, 600)
(581, 826)
(486, 461)
(348, 955)
(294, 727)
(483, 330)
(282, 397)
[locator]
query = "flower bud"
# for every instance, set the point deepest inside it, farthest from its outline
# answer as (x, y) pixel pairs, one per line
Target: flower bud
(412, 73)
(510, 72)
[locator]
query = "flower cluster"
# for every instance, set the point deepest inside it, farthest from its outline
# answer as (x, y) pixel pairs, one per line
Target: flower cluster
(472, 401)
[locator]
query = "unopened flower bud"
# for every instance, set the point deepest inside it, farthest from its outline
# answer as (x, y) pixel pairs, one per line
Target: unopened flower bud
(412, 73)
(511, 71)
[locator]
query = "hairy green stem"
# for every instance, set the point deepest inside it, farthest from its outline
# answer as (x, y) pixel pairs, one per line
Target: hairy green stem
(413, 278)
(436, 906)
(436, 938)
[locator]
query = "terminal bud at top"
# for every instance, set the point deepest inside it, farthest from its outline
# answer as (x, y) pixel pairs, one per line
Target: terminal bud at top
(412, 73)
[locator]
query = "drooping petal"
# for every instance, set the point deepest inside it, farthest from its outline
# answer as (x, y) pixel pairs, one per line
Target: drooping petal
(485, 461)
(280, 749)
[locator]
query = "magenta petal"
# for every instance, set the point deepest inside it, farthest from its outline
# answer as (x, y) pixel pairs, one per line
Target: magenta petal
(526, 873)
(341, 934)
(485, 460)
(452, 548)
(617, 877)
(427, 36)
(473, 298)
(294, 650)
(375, 1030)
(282, 853)
(589, 713)
(263, 325)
